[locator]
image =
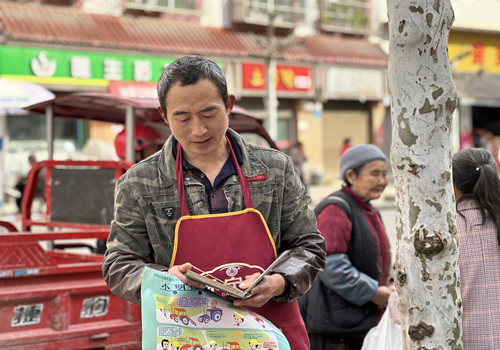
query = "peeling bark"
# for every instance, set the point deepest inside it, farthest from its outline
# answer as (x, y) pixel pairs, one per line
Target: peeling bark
(423, 98)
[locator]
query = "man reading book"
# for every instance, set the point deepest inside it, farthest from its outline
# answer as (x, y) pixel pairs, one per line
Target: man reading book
(211, 200)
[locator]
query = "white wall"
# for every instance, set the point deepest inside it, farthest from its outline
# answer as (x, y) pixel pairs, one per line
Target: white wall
(477, 14)
(469, 14)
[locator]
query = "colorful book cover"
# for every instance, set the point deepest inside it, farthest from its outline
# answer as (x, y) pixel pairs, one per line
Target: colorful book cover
(176, 316)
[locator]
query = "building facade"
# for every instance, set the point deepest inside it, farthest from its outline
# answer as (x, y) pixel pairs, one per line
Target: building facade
(474, 50)
(474, 53)
(330, 79)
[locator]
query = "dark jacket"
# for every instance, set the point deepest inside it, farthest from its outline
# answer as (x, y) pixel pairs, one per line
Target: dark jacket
(142, 232)
(323, 310)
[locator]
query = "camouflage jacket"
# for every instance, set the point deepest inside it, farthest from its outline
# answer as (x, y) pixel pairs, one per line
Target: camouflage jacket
(143, 235)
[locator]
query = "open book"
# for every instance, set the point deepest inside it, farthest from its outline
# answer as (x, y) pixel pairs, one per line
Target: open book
(229, 289)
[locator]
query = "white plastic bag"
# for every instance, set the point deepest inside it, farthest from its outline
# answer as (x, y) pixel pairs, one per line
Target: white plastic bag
(384, 336)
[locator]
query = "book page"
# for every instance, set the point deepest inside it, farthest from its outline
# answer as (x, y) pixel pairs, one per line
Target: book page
(233, 291)
(224, 287)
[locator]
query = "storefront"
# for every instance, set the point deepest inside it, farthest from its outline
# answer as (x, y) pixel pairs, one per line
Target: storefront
(294, 83)
(350, 107)
(318, 104)
(475, 63)
(59, 71)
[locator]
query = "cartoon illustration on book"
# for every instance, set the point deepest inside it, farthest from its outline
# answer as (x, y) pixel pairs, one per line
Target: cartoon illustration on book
(187, 318)
(238, 318)
(165, 344)
(254, 344)
(176, 345)
(212, 313)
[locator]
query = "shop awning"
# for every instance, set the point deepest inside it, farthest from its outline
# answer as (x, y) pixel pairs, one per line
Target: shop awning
(15, 95)
(481, 90)
(112, 108)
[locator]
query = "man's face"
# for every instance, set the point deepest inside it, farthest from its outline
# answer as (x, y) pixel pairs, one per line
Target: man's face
(198, 119)
(164, 344)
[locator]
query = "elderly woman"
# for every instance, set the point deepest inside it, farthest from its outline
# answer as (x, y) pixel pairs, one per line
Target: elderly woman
(349, 295)
(477, 193)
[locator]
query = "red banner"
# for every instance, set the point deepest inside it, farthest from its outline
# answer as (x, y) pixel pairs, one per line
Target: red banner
(288, 78)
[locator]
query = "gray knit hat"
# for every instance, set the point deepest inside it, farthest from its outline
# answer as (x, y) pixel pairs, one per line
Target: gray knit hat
(359, 155)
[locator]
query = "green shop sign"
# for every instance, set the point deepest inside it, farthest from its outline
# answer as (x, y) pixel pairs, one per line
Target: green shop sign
(53, 66)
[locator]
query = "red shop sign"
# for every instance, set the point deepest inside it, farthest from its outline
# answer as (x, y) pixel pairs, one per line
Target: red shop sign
(288, 78)
(133, 89)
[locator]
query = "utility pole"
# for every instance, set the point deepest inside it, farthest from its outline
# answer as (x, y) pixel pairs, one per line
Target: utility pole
(271, 50)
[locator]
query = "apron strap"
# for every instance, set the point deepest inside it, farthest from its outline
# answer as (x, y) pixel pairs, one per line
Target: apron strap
(180, 179)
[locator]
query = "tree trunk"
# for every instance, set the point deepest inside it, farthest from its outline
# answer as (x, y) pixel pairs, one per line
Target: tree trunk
(423, 98)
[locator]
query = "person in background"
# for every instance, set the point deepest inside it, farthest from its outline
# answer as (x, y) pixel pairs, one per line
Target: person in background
(146, 142)
(349, 296)
(22, 181)
(345, 145)
(477, 195)
(164, 205)
(298, 158)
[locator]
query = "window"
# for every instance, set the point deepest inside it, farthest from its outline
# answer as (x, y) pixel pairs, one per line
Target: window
(288, 12)
(172, 6)
(18, 131)
(347, 16)
(107, 7)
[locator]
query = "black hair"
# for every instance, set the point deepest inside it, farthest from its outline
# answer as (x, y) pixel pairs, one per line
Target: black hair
(475, 175)
(188, 70)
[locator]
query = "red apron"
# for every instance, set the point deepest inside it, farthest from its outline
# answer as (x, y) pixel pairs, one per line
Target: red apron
(232, 246)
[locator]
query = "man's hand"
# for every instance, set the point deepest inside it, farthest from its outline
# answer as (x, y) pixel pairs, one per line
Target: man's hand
(179, 272)
(270, 286)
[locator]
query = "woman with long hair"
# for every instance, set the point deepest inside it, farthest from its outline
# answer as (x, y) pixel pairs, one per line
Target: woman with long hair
(477, 194)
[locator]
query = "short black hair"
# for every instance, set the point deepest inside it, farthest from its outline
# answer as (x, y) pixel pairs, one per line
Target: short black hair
(189, 70)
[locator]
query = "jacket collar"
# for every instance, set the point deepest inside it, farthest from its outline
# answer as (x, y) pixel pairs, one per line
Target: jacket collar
(361, 202)
(250, 163)
(467, 204)
(187, 165)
